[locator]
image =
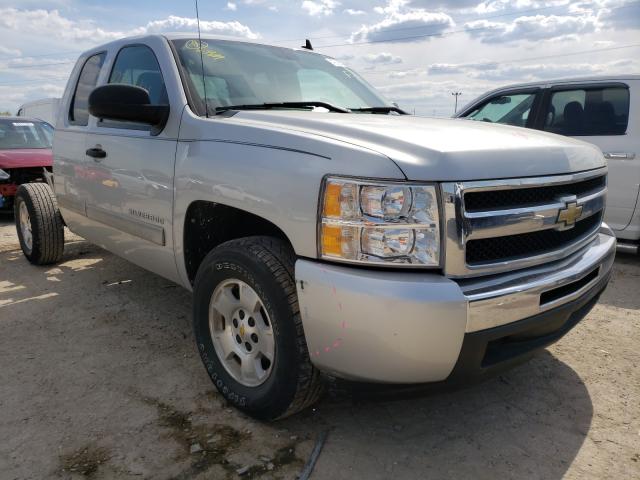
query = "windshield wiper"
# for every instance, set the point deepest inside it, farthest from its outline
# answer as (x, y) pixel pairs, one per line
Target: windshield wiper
(380, 110)
(267, 106)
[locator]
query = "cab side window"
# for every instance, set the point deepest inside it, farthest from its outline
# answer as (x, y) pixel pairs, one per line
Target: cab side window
(512, 109)
(137, 65)
(79, 109)
(588, 111)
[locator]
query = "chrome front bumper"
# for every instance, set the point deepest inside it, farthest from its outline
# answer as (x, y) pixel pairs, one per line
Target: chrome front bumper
(410, 327)
(511, 297)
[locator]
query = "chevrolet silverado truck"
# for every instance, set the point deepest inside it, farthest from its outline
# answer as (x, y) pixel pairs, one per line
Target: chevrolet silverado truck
(25, 155)
(322, 231)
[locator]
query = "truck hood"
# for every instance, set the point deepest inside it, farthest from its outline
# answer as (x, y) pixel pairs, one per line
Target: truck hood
(443, 149)
(25, 158)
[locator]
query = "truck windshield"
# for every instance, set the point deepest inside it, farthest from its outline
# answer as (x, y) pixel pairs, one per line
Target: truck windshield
(18, 133)
(246, 74)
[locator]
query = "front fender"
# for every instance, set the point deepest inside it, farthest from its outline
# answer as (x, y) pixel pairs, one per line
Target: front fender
(273, 174)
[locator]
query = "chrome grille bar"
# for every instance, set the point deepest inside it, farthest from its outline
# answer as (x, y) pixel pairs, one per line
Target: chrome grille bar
(461, 227)
(500, 223)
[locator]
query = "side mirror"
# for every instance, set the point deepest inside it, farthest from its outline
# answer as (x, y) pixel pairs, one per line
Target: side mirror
(127, 102)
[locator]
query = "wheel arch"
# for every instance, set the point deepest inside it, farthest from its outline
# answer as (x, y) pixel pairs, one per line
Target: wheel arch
(208, 224)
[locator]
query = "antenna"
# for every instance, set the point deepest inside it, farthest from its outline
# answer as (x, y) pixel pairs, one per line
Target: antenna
(307, 45)
(204, 84)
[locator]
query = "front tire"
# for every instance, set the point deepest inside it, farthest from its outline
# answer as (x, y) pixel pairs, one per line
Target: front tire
(248, 328)
(39, 223)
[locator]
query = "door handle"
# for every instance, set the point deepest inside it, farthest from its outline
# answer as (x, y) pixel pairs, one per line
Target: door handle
(97, 153)
(619, 156)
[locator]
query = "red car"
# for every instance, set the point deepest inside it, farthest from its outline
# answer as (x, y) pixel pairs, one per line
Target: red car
(25, 154)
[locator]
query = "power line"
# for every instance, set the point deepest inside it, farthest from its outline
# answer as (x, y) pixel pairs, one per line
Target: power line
(529, 59)
(435, 34)
(491, 17)
(52, 54)
(30, 82)
(442, 34)
(39, 65)
(284, 40)
(559, 55)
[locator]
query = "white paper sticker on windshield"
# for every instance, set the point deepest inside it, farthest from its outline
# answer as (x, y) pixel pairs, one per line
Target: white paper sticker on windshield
(336, 63)
(22, 124)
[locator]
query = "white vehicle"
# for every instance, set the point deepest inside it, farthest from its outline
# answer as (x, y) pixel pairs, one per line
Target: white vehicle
(604, 111)
(45, 109)
(320, 228)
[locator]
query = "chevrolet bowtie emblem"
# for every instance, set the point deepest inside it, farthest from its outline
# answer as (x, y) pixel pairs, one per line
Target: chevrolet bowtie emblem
(570, 214)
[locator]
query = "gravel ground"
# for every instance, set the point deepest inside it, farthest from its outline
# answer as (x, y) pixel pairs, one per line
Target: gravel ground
(100, 378)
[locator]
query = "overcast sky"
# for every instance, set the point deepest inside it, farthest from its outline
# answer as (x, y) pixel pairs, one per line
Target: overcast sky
(416, 51)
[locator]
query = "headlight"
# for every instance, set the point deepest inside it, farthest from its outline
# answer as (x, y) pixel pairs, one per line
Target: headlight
(364, 221)
(3, 175)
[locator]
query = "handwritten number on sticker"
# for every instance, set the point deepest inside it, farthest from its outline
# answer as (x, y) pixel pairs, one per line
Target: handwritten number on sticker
(204, 48)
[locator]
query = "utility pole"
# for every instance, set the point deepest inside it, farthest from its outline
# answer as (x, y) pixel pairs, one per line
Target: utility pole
(456, 94)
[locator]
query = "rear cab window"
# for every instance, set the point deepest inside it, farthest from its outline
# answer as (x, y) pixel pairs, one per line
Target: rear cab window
(588, 111)
(87, 80)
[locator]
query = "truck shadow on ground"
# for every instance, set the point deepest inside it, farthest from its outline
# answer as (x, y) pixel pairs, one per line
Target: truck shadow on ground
(529, 422)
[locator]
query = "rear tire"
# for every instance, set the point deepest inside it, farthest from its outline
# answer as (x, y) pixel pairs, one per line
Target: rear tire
(263, 267)
(39, 224)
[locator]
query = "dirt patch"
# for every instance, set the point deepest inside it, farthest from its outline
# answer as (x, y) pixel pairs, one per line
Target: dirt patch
(85, 461)
(209, 445)
(204, 445)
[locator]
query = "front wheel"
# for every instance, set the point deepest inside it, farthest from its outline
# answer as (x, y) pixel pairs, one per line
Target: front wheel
(249, 331)
(39, 223)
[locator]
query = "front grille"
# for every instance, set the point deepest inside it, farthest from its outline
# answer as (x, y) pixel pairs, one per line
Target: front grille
(499, 199)
(511, 247)
(26, 175)
(496, 226)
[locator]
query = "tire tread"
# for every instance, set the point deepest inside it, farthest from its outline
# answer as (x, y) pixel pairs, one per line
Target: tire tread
(280, 260)
(47, 223)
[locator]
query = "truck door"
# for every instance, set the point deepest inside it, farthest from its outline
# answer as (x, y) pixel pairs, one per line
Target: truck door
(69, 140)
(598, 113)
(131, 198)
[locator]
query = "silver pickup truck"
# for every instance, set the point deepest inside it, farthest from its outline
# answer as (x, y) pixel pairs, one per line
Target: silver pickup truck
(320, 228)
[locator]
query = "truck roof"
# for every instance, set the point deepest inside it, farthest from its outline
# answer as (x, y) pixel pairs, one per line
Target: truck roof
(585, 79)
(177, 36)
